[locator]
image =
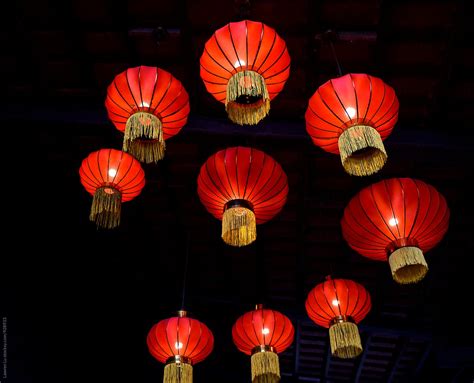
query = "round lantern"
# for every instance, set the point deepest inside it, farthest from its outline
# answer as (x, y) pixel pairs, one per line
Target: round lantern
(351, 116)
(340, 304)
(112, 177)
(148, 105)
(180, 342)
(243, 187)
(245, 65)
(263, 333)
(398, 219)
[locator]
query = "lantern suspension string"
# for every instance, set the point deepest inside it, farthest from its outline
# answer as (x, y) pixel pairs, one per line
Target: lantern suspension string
(333, 50)
(185, 272)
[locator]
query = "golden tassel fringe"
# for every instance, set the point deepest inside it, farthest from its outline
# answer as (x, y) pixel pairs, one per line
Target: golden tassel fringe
(143, 137)
(239, 226)
(265, 367)
(408, 265)
(247, 83)
(362, 150)
(178, 373)
(106, 206)
(345, 340)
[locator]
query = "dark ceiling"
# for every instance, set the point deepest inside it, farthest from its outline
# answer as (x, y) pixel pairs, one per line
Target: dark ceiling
(79, 302)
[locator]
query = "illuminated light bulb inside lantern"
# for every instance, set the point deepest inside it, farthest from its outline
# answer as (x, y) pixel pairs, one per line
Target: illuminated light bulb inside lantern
(351, 112)
(112, 172)
(178, 345)
(239, 63)
(145, 104)
(393, 221)
(265, 331)
(335, 302)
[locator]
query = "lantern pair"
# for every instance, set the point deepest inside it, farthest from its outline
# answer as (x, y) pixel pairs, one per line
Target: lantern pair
(180, 342)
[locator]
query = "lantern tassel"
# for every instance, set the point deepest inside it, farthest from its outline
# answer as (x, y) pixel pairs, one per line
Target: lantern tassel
(239, 226)
(362, 150)
(265, 367)
(106, 206)
(178, 373)
(408, 265)
(143, 137)
(345, 340)
(247, 99)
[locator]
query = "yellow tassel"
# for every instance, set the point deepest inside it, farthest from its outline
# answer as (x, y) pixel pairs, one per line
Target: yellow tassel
(408, 265)
(265, 367)
(106, 205)
(362, 150)
(247, 99)
(239, 226)
(345, 340)
(178, 373)
(143, 137)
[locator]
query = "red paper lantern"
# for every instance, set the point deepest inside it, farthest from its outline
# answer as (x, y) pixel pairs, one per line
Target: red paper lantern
(398, 219)
(243, 187)
(112, 177)
(262, 333)
(180, 342)
(149, 106)
(352, 115)
(245, 65)
(340, 304)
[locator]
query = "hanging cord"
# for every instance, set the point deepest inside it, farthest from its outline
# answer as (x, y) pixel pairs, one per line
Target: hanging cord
(334, 55)
(185, 273)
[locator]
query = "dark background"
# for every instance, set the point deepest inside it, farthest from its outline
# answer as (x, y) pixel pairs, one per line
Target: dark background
(79, 302)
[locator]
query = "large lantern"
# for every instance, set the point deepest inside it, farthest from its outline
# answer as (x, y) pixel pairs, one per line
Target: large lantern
(112, 177)
(340, 304)
(149, 106)
(245, 65)
(398, 219)
(180, 342)
(263, 333)
(243, 187)
(351, 116)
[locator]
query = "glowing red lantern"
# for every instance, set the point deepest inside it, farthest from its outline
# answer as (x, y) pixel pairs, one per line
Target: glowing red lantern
(112, 177)
(149, 106)
(340, 304)
(245, 65)
(263, 333)
(180, 342)
(398, 219)
(243, 187)
(352, 115)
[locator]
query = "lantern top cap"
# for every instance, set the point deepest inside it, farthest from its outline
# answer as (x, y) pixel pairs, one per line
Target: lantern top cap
(259, 306)
(182, 313)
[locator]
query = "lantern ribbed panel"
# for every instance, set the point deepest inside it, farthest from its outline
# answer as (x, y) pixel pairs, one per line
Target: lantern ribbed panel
(395, 213)
(263, 327)
(180, 336)
(246, 174)
(244, 45)
(115, 169)
(337, 298)
(343, 102)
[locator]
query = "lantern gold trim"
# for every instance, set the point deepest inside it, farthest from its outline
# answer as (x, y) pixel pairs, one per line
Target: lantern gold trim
(247, 99)
(106, 207)
(265, 365)
(408, 265)
(344, 338)
(362, 150)
(239, 226)
(178, 369)
(143, 137)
